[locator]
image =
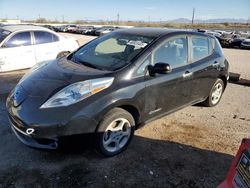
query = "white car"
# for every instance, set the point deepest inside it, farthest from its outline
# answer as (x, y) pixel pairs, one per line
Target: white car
(23, 46)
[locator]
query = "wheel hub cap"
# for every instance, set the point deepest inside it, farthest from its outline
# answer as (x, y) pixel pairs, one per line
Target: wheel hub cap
(116, 135)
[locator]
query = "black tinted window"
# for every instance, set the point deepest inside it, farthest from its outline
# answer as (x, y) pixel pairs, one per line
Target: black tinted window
(201, 47)
(44, 37)
(19, 39)
(173, 51)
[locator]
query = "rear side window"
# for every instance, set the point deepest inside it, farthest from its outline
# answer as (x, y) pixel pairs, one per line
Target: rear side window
(42, 37)
(201, 47)
(19, 39)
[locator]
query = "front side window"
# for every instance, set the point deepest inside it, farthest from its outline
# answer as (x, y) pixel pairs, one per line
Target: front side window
(174, 52)
(42, 37)
(201, 47)
(111, 52)
(19, 39)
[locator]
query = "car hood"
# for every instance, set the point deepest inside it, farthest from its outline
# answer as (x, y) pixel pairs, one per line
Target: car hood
(56, 75)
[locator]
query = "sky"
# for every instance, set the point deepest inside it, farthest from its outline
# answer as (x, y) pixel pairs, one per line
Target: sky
(146, 10)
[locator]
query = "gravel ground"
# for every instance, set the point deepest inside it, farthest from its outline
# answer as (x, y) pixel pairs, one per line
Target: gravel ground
(190, 148)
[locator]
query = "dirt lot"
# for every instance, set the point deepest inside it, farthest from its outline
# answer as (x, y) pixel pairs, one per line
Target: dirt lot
(190, 148)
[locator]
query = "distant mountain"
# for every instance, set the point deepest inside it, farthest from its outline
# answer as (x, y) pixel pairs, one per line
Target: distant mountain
(219, 20)
(180, 20)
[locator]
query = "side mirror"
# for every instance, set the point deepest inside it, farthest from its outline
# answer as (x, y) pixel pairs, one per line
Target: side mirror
(160, 68)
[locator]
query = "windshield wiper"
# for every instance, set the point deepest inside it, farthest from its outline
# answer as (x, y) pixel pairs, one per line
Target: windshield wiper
(77, 60)
(90, 65)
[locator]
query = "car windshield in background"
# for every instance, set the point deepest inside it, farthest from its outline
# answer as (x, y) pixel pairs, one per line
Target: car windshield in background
(3, 34)
(111, 52)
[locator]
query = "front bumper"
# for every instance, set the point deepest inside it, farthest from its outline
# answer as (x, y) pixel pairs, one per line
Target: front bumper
(49, 137)
(46, 130)
(41, 143)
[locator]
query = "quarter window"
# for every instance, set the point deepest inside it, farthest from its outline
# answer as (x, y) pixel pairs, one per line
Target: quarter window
(201, 47)
(174, 52)
(42, 37)
(19, 39)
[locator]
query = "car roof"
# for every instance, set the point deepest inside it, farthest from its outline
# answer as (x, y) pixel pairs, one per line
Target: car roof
(13, 28)
(156, 32)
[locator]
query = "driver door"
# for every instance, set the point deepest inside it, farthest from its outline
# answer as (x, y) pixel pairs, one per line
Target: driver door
(165, 93)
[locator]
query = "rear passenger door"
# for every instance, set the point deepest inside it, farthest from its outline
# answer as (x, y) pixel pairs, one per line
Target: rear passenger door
(46, 46)
(204, 65)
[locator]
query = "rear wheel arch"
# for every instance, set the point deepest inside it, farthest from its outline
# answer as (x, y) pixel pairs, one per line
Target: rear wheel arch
(224, 79)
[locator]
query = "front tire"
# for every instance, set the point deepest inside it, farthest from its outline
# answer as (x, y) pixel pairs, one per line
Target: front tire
(215, 94)
(115, 132)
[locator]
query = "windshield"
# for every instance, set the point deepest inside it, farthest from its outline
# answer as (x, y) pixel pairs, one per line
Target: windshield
(111, 52)
(3, 34)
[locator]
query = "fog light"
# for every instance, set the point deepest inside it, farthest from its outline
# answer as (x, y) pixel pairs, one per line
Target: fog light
(30, 131)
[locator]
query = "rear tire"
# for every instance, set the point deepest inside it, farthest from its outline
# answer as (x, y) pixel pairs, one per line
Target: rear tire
(115, 132)
(215, 94)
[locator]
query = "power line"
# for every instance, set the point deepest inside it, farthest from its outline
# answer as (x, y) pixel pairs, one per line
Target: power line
(118, 18)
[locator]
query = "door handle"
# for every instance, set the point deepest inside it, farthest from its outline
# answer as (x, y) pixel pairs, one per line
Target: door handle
(187, 74)
(216, 64)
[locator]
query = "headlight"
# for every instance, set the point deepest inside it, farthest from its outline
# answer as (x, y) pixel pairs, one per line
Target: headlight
(77, 92)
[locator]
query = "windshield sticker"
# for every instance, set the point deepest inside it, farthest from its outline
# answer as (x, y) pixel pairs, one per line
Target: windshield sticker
(137, 43)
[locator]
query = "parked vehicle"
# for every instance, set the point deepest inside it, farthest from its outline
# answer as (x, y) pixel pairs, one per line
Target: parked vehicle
(116, 83)
(23, 46)
(86, 30)
(62, 28)
(71, 28)
(245, 44)
(104, 30)
(236, 43)
(213, 33)
(50, 27)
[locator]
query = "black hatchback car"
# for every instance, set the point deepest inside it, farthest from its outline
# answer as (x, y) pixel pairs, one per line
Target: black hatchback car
(114, 84)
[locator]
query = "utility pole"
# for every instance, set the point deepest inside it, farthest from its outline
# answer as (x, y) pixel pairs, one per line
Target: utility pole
(62, 18)
(118, 18)
(248, 21)
(193, 16)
